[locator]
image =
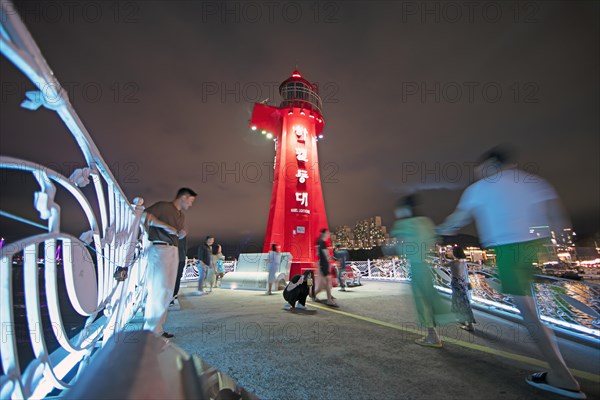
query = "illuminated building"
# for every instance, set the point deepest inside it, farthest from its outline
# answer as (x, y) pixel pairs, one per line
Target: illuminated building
(562, 245)
(366, 234)
(344, 236)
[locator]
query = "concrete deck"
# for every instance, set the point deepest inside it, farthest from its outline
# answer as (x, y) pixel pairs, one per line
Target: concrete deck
(363, 350)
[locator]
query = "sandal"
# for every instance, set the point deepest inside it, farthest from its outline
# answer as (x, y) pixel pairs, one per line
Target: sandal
(422, 342)
(538, 380)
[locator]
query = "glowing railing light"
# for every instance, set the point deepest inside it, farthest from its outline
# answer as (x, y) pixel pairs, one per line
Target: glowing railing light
(253, 127)
(312, 116)
(320, 136)
(61, 370)
(269, 136)
(114, 213)
(566, 324)
(290, 112)
(264, 132)
(296, 76)
(302, 112)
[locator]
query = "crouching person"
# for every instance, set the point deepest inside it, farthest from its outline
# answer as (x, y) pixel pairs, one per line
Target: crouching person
(297, 290)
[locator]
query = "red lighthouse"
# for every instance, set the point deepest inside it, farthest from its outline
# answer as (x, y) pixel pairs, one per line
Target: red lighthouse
(297, 212)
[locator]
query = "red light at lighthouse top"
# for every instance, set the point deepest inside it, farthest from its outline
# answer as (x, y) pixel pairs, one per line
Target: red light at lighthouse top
(297, 211)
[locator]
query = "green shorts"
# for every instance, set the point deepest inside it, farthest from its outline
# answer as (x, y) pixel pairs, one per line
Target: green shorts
(515, 265)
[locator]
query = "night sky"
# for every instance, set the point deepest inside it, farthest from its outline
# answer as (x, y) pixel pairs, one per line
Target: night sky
(413, 93)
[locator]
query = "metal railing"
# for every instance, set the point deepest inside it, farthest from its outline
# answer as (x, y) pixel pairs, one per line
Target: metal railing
(565, 304)
(103, 265)
(190, 271)
(299, 94)
(573, 306)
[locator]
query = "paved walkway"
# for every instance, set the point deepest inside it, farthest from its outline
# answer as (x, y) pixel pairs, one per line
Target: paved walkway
(363, 350)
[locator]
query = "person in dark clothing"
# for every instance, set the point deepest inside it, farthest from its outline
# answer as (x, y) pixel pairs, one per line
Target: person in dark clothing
(204, 261)
(298, 290)
(323, 282)
(341, 255)
(182, 255)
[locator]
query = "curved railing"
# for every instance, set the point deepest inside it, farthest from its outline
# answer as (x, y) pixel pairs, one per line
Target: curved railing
(562, 303)
(100, 269)
(190, 271)
(573, 306)
(299, 94)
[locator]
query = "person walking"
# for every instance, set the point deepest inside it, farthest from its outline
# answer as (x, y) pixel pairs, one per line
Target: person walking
(461, 305)
(323, 281)
(505, 204)
(164, 222)
(341, 256)
(273, 262)
(416, 238)
(212, 271)
(219, 265)
(204, 262)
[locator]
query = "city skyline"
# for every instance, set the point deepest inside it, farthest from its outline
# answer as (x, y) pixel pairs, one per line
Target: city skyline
(410, 101)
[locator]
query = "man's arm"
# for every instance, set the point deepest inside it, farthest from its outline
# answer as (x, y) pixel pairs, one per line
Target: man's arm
(557, 217)
(151, 220)
(454, 222)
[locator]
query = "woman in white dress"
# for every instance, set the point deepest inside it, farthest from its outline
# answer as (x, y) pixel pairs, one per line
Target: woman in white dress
(274, 260)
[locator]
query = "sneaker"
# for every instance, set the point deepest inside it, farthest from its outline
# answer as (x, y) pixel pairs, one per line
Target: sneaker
(167, 335)
(287, 306)
(300, 307)
(342, 290)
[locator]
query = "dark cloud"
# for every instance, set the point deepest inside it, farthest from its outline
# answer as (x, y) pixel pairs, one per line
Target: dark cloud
(411, 98)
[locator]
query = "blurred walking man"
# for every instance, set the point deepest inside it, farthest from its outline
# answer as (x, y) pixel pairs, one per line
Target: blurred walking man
(505, 203)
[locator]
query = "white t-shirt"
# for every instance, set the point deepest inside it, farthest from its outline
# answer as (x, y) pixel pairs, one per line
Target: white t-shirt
(506, 206)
